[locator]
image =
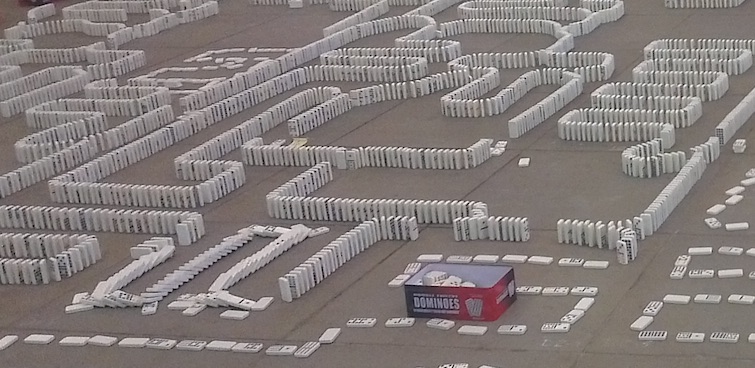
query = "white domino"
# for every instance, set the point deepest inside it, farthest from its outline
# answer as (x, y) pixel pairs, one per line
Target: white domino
(730, 273)
(514, 259)
(737, 226)
(677, 273)
(571, 262)
(596, 265)
(700, 251)
(512, 329)
(540, 260)
(683, 260)
(399, 322)
(329, 336)
(652, 335)
(750, 252)
(734, 200)
(101, 340)
(412, 268)
(459, 259)
(716, 209)
(653, 308)
(485, 258)
(725, 337)
(472, 330)
(220, 345)
(555, 291)
(39, 339)
(573, 316)
(707, 299)
(676, 299)
(307, 349)
(191, 345)
(237, 315)
(702, 274)
(529, 290)
(361, 322)
(751, 338)
(584, 291)
(247, 347)
(262, 303)
(741, 299)
(7, 341)
(441, 324)
(555, 328)
(133, 342)
(399, 280)
(713, 223)
(281, 350)
(584, 304)
(73, 341)
(430, 258)
(691, 337)
(731, 251)
(641, 323)
(735, 190)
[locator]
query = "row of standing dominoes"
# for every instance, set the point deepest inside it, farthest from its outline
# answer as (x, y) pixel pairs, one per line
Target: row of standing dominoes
(493, 228)
(42, 86)
(338, 67)
(319, 115)
(714, 4)
(255, 153)
(166, 344)
(188, 225)
(572, 127)
(61, 256)
(411, 89)
(364, 12)
(647, 160)
(585, 232)
(249, 265)
(38, 13)
(93, 13)
(314, 270)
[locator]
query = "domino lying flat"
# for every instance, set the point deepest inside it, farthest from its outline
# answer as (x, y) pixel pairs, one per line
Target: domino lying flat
(49, 257)
(315, 269)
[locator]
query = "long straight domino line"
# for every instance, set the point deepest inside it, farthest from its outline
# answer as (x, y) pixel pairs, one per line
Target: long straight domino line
(34, 259)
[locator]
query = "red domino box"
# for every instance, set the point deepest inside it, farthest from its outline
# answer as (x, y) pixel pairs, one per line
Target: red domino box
(493, 294)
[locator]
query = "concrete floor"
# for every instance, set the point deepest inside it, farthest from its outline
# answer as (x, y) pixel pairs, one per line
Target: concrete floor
(565, 180)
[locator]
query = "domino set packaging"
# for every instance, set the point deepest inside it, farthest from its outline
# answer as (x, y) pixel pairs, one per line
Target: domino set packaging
(498, 228)
(34, 259)
(322, 264)
(188, 225)
(491, 292)
(257, 154)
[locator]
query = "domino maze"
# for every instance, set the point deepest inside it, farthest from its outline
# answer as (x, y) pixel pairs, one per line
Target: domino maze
(96, 112)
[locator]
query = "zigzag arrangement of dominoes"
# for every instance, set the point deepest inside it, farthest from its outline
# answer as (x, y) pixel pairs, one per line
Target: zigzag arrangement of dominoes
(707, 4)
(105, 220)
(255, 153)
(322, 264)
(285, 239)
(648, 160)
(53, 257)
(38, 87)
(366, 11)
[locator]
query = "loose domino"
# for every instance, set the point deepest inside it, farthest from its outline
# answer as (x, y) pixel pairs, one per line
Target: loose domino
(529, 290)
(7, 341)
(39, 339)
(459, 259)
(730, 273)
(472, 330)
(237, 315)
(514, 258)
(485, 258)
(220, 345)
(737, 226)
(262, 303)
(329, 336)
(555, 328)
(540, 260)
(441, 324)
(191, 345)
(133, 342)
(584, 291)
(573, 316)
(713, 223)
(512, 329)
(751, 338)
(676, 299)
(281, 350)
(307, 349)
(101, 340)
(361, 322)
(653, 308)
(584, 304)
(73, 341)
(677, 273)
(734, 200)
(641, 323)
(683, 260)
(700, 251)
(430, 258)
(741, 299)
(399, 322)
(716, 209)
(692, 337)
(399, 280)
(701, 274)
(731, 251)
(725, 337)
(555, 291)
(596, 265)
(571, 262)
(412, 268)
(652, 335)
(247, 347)
(707, 299)
(735, 190)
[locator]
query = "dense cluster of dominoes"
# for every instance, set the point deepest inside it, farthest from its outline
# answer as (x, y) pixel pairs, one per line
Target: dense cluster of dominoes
(681, 265)
(735, 195)
(335, 254)
(158, 343)
(44, 85)
(481, 226)
(34, 259)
